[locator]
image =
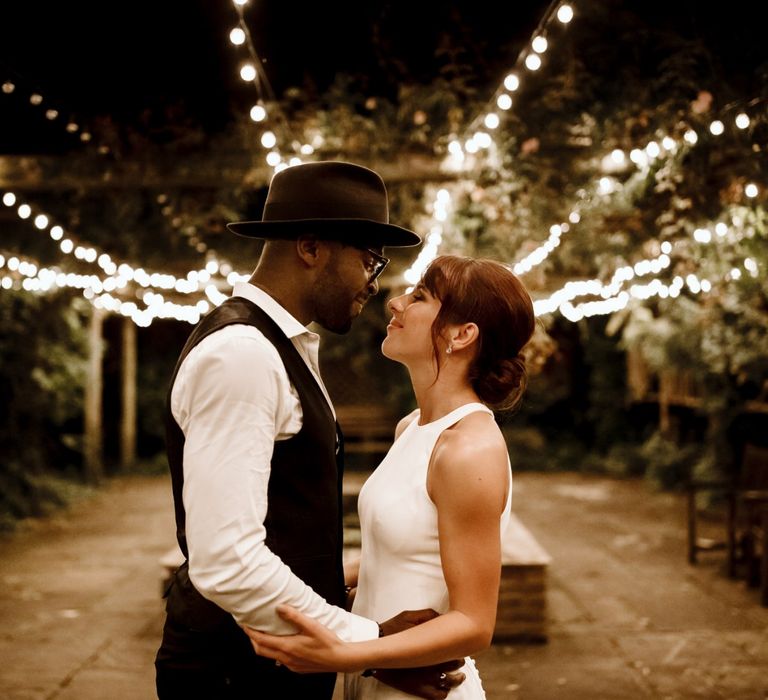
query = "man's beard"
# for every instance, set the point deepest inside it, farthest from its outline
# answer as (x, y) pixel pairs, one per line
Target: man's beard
(333, 305)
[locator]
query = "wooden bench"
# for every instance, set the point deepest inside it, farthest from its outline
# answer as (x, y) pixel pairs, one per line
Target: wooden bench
(367, 428)
(521, 615)
(522, 612)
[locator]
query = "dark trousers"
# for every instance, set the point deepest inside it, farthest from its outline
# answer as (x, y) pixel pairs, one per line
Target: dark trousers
(220, 664)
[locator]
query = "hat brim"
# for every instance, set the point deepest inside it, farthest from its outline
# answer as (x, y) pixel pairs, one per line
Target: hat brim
(354, 231)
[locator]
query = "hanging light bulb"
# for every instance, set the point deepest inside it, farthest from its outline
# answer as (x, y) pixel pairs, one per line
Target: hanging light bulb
(258, 113)
(565, 13)
(532, 61)
(512, 82)
(268, 139)
(248, 73)
(539, 44)
(717, 127)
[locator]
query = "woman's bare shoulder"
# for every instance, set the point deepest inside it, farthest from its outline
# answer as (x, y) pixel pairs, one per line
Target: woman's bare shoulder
(476, 438)
(469, 467)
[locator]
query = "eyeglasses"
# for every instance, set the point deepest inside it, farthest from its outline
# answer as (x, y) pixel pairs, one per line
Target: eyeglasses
(375, 264)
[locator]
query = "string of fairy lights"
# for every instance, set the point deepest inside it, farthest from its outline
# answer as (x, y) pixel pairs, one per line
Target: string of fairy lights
(613, 297)
(29, 275)
(266, 110)
(476, 138)
(54, 113)
(462, 153)
(35, 278)
(151, 290)
(99, 289)
(155, 306)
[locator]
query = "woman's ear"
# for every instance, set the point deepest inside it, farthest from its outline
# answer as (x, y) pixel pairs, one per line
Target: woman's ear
(464, 336)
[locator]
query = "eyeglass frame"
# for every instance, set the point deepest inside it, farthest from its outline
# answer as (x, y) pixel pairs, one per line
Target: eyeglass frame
(379, 260)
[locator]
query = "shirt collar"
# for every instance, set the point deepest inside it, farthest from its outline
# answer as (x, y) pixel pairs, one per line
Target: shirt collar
(286, 322)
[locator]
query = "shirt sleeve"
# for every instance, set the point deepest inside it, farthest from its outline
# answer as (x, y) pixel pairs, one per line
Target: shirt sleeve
(227, 405)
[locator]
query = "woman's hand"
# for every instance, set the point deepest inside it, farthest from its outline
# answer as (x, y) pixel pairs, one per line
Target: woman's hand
(313, 649)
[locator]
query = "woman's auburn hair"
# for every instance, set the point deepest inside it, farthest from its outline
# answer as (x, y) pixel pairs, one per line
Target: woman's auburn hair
(486, 293)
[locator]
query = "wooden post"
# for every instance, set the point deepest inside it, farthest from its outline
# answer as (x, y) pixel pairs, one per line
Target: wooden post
(94, 469)
(128, 413)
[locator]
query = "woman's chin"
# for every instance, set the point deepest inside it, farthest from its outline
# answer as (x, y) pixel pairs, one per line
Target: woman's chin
(386, 349)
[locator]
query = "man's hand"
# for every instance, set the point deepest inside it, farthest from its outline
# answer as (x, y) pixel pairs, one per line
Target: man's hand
(429, 682)
(405, 620)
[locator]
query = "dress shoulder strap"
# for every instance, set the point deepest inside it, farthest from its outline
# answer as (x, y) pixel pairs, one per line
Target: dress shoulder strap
(455, 416)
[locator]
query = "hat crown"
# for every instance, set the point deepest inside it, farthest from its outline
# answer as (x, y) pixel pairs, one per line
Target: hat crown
(326, 190)
(332, 200)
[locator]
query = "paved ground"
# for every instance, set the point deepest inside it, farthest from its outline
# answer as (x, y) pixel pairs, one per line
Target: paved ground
(80, 611)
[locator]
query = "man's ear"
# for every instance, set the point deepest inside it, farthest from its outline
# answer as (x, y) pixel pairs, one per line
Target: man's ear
(312, 252)
(463, 337)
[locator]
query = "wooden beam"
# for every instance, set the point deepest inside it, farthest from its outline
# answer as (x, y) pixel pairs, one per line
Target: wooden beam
(94, 172)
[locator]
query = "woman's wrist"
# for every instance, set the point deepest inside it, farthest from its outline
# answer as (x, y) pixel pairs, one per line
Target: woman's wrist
(371, 672)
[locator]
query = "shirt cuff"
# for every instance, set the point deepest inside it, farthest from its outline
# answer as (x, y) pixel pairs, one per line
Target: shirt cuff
(361, 629)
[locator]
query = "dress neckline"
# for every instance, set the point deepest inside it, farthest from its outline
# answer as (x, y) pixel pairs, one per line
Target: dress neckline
(463, 409)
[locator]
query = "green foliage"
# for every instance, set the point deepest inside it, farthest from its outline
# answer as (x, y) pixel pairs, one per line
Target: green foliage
(668, 463)
(42, 372)
(531, 450)
(42, 355)
(26, 495)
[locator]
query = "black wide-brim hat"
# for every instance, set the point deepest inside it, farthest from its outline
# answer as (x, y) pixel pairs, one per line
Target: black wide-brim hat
(331, 200)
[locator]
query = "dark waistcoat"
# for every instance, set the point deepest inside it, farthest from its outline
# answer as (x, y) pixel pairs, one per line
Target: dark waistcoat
(303, 522)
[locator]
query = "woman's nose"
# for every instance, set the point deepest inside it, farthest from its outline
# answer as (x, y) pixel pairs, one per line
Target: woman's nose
(395, 304)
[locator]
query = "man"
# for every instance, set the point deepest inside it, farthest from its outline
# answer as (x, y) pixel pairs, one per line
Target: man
(254, 448)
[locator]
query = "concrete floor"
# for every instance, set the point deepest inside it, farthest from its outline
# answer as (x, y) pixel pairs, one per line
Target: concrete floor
(80, 610)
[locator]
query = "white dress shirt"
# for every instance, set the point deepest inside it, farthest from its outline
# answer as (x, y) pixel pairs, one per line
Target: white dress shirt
(232, 399)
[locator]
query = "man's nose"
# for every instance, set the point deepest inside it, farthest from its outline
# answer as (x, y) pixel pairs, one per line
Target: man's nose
(373, 287)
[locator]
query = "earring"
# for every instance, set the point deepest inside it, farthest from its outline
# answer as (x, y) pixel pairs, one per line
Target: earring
(449, 350)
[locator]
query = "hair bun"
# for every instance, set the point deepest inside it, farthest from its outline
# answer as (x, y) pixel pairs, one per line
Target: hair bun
(502, 386)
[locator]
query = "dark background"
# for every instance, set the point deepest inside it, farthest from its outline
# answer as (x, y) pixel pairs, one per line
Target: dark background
(173, 59)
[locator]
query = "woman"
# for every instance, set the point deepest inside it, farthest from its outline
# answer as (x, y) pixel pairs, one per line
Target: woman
(432, 513)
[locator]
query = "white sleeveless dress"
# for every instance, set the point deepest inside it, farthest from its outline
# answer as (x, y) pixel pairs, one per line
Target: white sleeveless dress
(400, 565)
